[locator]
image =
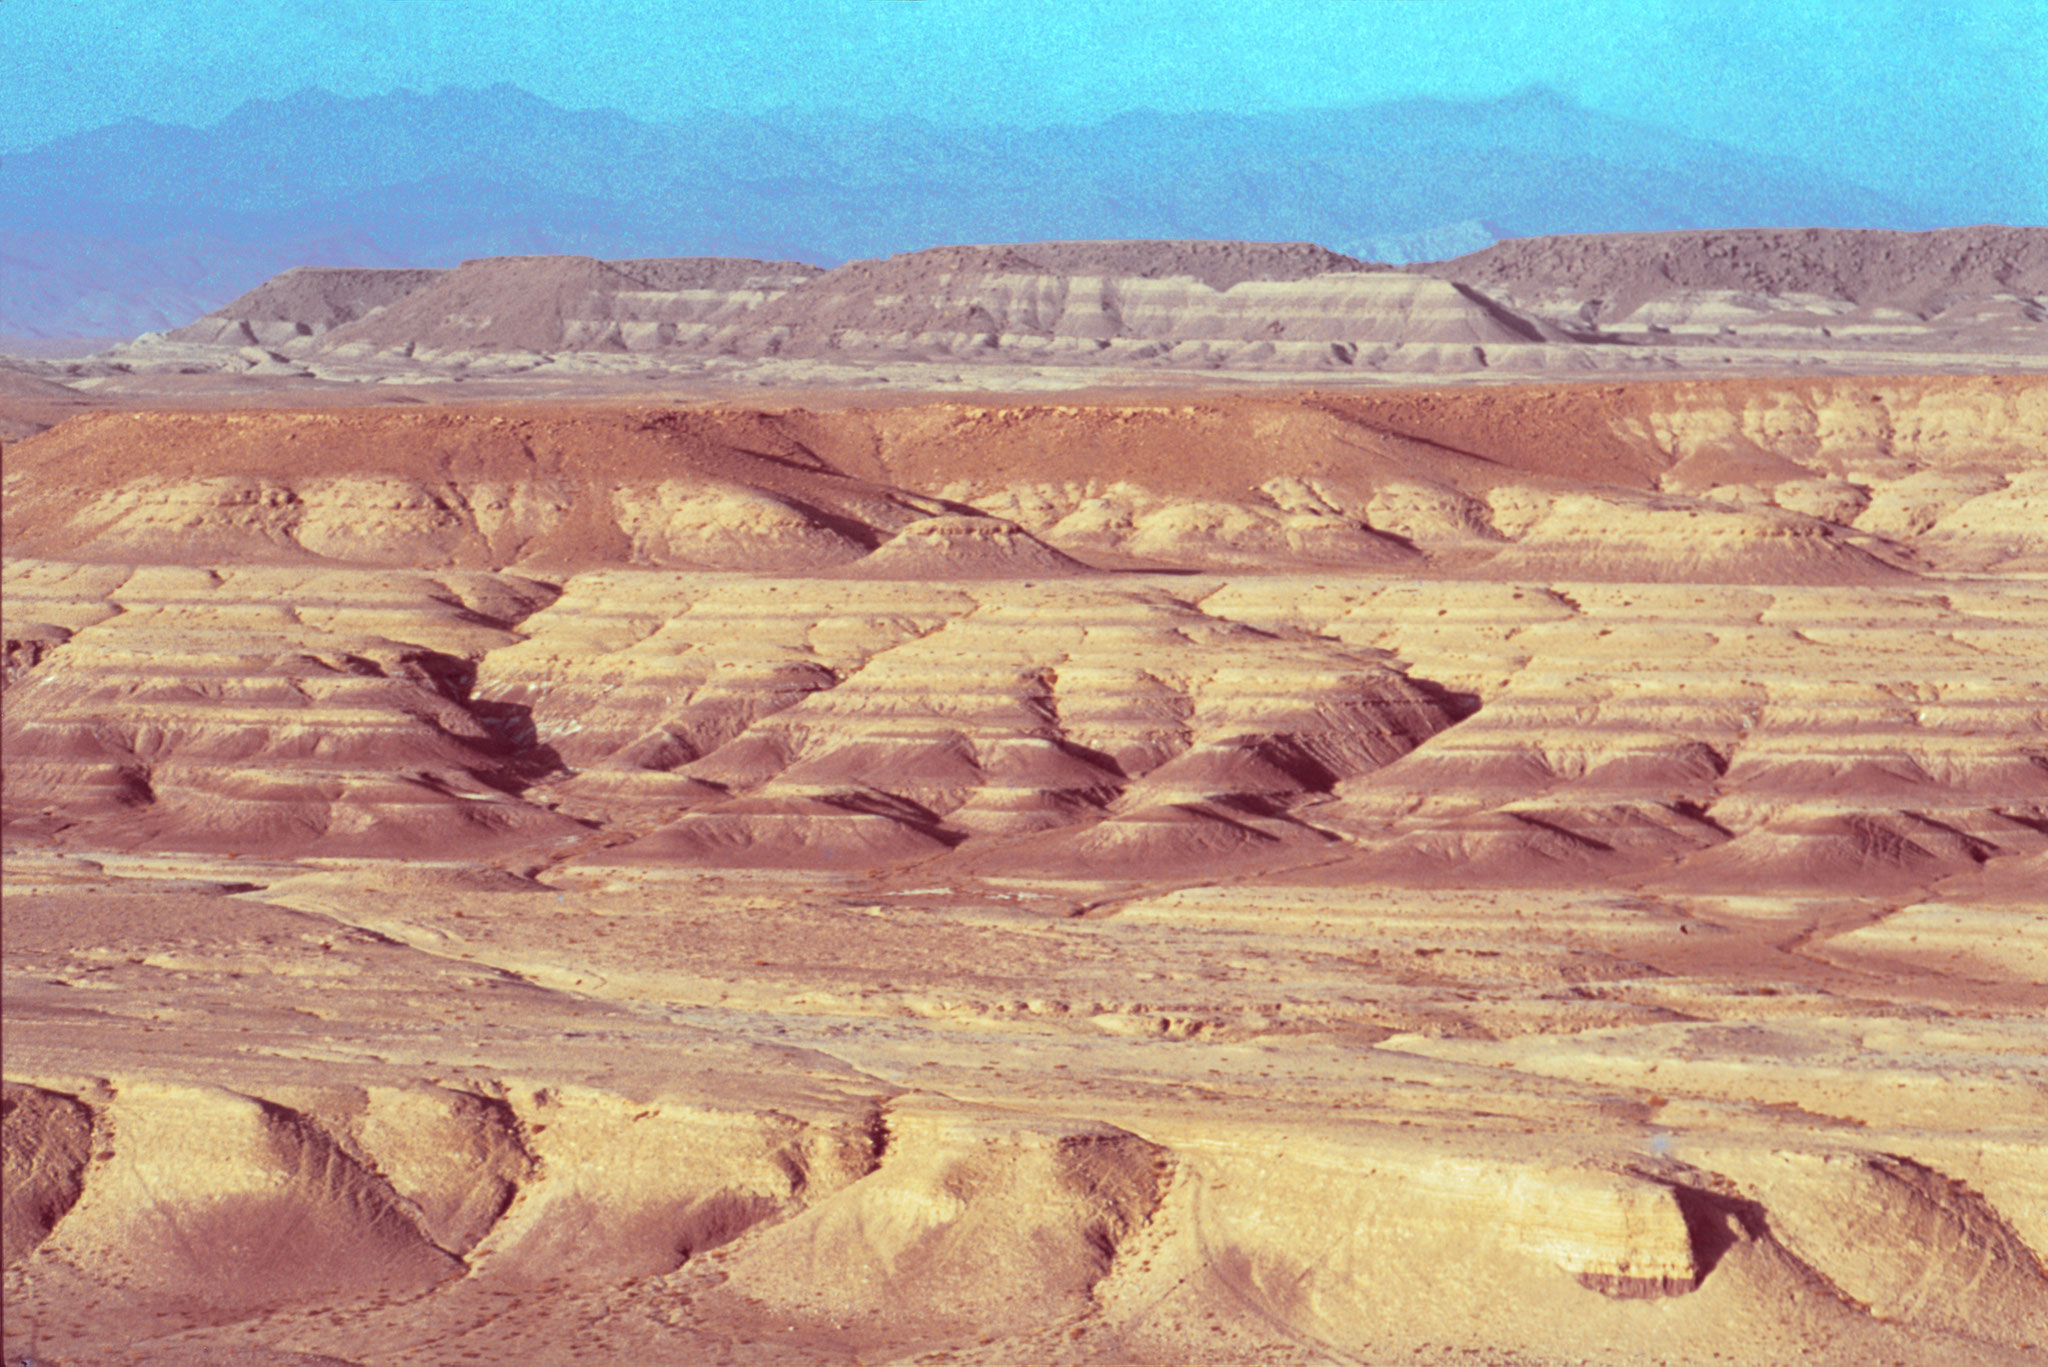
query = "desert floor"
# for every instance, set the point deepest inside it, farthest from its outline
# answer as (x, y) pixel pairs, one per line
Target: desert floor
(1497, 875)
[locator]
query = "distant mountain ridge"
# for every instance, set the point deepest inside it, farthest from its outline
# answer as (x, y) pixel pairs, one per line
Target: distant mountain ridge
(141, 226)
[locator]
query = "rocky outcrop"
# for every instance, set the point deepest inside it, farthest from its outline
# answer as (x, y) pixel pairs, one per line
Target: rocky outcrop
(48, 1145)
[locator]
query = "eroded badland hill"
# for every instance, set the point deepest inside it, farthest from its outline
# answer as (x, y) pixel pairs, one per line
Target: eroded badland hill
(1525, 873)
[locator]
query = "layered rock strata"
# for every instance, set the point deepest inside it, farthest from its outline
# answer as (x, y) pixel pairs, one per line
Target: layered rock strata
(1512, 873)
(1615, 302)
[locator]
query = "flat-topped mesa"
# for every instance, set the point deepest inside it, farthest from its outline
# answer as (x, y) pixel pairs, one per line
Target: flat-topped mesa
(573, 303)
(525, 303)
(1220, 265)
(1857, 265)
(304, 302)
(1250, 303)
(1603, 301)
(675, 274)
(1261, 302)
(1975, 290)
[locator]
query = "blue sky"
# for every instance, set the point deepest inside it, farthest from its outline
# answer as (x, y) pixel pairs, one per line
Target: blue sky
(1944, 102)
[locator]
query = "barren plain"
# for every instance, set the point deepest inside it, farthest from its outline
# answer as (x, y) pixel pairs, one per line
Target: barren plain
(1185, 868)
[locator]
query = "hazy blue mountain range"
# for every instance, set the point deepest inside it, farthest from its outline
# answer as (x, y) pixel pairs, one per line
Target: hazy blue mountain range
(140, 225)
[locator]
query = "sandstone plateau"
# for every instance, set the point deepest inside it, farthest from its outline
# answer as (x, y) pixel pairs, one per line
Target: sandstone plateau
(1171, 870)
(1053, 315)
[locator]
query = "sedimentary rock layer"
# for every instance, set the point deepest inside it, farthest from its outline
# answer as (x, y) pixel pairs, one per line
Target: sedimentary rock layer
(1538, 874)
(1623, 302)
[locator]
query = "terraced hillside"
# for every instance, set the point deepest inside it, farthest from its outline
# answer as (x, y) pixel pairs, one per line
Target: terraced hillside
(1532, 874)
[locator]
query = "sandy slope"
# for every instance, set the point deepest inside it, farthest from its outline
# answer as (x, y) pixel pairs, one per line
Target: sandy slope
(1536, 875)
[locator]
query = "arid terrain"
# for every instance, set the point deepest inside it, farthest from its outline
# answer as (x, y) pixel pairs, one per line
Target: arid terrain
(856, 829)
(1054, 315)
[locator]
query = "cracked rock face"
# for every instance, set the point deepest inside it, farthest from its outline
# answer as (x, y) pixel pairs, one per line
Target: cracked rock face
(1509, 873)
